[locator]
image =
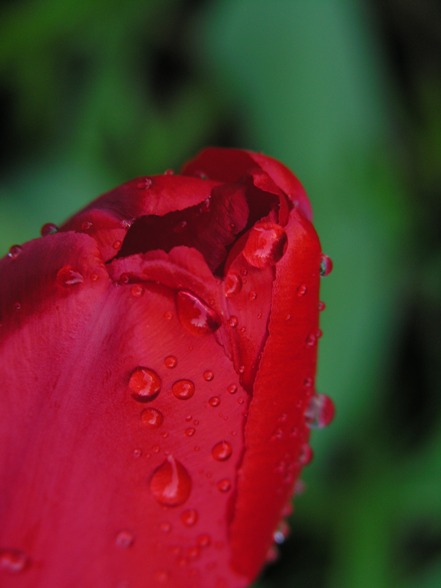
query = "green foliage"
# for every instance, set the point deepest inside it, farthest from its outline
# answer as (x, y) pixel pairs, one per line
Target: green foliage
(96, 93)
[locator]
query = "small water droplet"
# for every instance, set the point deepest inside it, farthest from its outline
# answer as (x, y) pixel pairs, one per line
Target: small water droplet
(189, 517)
(68, 276)
(320, 411)
(170, 361)
(171, 483)
(222, 451)
(302, 290)
(124, 539)
(145, 384)
(124, 278)
(137, 290)
(325, 265)
(13, 561)
(272, 554)
(205, 206)
(48, 229)
(165, 527)
(195, 315)
(169, 172)
(152, 418)
(224, 485)
(203, 540)
(311, 340)
(137, 453)
(162, 577)
(126, 224)
(190, 431)
(306, 454)
(168, 315)
(144, 183)
(183, 389)
(208, 375)
(86, 225)
(232, 389)
(232, 284)
(214, 401)
(321, 306)
(281, 533)
(266, 244)
(233, 321)
(116, 244)
(252, 295)
(308, 382)
(156, 449)
(15, 251)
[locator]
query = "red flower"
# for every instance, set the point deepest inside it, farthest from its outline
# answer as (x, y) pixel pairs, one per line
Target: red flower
(158, 355)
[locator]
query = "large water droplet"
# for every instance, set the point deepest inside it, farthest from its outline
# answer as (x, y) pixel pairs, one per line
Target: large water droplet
(14, 251)
(144, 384)
(68, 276)
(266, 244)
(170, 483)
(48, 229)
(320, 411)
(325, 265)
(124, 539)
(222, 451)
(232, 284)
(195, 315)
(13, 561)
(183, 389)
(152, 418)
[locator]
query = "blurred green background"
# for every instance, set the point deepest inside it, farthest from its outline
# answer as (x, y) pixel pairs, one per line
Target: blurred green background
(348, 94)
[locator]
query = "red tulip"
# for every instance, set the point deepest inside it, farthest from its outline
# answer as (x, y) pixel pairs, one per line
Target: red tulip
(158, 355)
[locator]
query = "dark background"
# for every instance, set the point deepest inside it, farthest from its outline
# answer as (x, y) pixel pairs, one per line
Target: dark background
(348, 94)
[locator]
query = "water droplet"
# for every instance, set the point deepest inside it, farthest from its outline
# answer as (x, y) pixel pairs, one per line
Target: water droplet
(224, 485)
(311, 340)
(124, 278)
(144, 183)
(321, 306)
(252, 295)
(320, 411)
(183, 389)
(152, 418)
(302, 290)
(126, 224)
(214, 401)
(232, 284)
(170, 361)
(222, 451)
(241, 369)
(170, 483)
(306, 454)
(189, 517)
(232, 389)
(68, 276)
(208, 375)
(13, 561)
(116, 244)
(137, 290)
(205, 206)
(48, 229)
(169, 172)
(190, 431)
(168, 315)
(137, 453)
(15, 251)
(144, 384)
(203, 540)
(162, 577)
(165, 527)
(124, 539)
(307, 382)
(266, 244)
(272, 554)
(156, 449)
(86, 225)
(195, 315)
(281, 533)
(325, 265)
(233, 321)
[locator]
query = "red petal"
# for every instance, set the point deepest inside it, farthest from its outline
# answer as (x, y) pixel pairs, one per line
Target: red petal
(276, 433)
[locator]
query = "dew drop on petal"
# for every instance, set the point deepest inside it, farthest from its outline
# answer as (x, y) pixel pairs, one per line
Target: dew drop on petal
(214, 401)
(232, 284)
(116, 244)
(68, 276)
(320, 411)
(183, 389)
(152, 418)
(311, 340)
(195, 315)
(124, 539)
(165, 527)
(266, 244)
(325, 265)
(222, 451)
(189, 517)
(144, 384)
(170, 483)
(203, 540)
(86, 225)
(48, 229)
(232, 389)
(13, 561)
(302, 290)
(144, 183)
(306, 454)
(224, 485)
(208, 375)
(137, 290)
(321, 306)
(190, 431)
(281, 533)
(233, 321)
(170, 361)
(15, 251)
